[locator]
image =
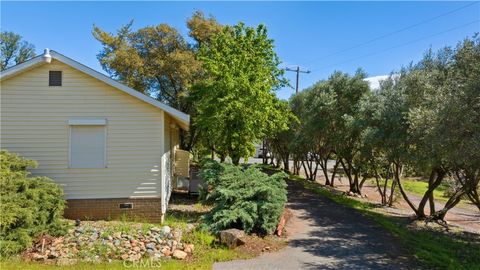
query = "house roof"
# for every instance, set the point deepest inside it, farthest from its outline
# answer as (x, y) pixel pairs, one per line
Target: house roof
(182, 118)
(374, 82)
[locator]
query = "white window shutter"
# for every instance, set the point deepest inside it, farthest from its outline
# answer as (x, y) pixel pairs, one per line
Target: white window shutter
(87, 146)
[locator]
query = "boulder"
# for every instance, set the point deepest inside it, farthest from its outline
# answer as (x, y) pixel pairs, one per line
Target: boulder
(189, 248)
(178, 254)
(165, 230)
(232, 237)
(150, 246)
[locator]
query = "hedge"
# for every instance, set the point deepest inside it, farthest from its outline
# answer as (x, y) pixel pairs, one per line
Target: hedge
(29, 206)
(243, 198)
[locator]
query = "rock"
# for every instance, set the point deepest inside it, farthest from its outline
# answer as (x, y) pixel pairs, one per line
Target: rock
(124, 257)
(53, 255)
(79, 230)
(66, 261)
(155, 229)
(38, 257)
(136, 249)
(189, 248)
(116, 242)
(117, 235)
(177, 235)
(178, 254)
(232, 237)
(156, 256)
(190, 227)
(350, 193)
(166, 251)
(150, 245)
(134, 242)
(94, 236)
(134, 257)
(165, 230)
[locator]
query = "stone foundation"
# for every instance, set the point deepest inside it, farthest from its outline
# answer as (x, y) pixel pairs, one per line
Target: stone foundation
(143, 210)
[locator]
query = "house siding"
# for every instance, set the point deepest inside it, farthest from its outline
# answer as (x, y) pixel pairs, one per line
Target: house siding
(34, 124)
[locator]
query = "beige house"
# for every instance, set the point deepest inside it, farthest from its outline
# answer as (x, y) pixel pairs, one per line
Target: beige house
(110, 147)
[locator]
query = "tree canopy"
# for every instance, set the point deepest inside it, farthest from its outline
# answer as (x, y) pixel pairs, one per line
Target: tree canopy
(236, 102)
(423, 120)
(160, 62)
(14, 50)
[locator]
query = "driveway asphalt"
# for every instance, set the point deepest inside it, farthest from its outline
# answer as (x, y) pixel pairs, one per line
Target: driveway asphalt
(325, 235)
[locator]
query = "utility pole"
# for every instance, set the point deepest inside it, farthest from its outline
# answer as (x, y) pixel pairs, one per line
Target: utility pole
(298, 71)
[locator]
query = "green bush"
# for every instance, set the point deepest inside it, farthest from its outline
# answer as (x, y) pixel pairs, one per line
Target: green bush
(246, 199)
(29, 206)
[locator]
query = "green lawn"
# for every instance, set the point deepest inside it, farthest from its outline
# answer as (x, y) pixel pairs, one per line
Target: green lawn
(419, 188)
(435, 250)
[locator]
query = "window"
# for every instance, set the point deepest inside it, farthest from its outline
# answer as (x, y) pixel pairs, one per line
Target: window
(87, 144)
(54, 78)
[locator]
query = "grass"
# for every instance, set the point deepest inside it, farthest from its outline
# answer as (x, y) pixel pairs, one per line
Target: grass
(207, 251)
(433, 249)
(419, 188)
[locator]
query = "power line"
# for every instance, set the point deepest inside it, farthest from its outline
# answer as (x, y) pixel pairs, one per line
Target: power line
(392, 33)
(298, 71)
(400, 45)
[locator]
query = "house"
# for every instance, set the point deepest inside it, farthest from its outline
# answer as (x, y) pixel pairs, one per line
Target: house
(110, 147)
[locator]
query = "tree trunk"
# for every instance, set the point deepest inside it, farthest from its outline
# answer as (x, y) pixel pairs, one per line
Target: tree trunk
(335, 167)
(397, 175)
(286, 164)
(392, 192)
(435, 179)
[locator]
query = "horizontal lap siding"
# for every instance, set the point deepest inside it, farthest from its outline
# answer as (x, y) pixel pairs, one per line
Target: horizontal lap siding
(34, 124)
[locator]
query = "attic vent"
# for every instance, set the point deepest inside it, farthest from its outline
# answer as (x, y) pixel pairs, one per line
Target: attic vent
(55, 78)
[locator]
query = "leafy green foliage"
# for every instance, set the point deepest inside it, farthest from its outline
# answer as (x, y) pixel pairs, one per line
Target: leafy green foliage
(236, 103)
(13, 50)
(159, 61)
(29, 205)
(246, 199)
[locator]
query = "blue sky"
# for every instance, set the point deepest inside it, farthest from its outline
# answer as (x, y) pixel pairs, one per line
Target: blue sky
(315, 35)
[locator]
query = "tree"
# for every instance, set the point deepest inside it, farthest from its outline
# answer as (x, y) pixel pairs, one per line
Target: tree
(236, 102)
(458, 127)
(14, 50)
(155, 60)
(428, 120)
(350, 112)
(158, 61)
(202, 29)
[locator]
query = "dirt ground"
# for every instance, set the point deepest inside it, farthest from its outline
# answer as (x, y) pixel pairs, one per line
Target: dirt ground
(465, 216)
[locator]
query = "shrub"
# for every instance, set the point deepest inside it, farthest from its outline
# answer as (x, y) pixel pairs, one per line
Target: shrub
(29, 206)
(245, 199)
